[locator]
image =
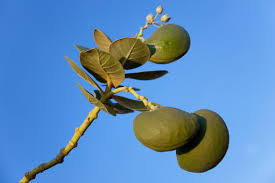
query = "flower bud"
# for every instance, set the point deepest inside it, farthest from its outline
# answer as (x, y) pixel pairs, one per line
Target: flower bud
(159, 9)
(150, 18)
(165, 18)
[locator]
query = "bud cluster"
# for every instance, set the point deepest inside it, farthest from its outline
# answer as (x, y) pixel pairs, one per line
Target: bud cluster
(151, 18)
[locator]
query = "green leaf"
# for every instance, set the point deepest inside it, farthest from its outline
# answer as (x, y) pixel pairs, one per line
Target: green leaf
(97, 77)
(103, 64)
(83, 74)
(102, 40)
(95, 101)
(147, 75)
(131, 52)
(81, 48)
(110, 110)
(130, 103)
(119, 109)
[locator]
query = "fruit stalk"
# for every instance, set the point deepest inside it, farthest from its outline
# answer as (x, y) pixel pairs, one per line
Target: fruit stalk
(142, 98)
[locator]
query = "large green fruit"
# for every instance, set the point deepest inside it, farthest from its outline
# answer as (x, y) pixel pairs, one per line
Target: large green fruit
(168, 43)
(208, 148)
(165, 128)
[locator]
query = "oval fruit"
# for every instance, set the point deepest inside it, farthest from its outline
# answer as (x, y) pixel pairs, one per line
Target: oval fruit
(165, 128)
(168, 43)
(208, 148)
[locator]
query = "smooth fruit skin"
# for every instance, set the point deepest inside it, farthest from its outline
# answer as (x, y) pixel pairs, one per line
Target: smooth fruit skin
(165, 128)
(168, 43)
(208, 148)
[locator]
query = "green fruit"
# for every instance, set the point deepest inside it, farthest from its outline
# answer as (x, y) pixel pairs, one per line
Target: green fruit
(208, 148)
(165, 128)
(168, 43)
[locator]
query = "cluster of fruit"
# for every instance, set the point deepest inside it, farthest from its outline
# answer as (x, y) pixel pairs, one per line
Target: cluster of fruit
(200, 139)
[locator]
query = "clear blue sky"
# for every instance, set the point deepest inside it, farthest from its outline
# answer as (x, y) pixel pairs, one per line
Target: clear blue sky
(229, 69)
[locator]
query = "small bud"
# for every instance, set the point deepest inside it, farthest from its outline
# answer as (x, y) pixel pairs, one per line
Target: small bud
(159, 9)
(165, 18)
(150, 18)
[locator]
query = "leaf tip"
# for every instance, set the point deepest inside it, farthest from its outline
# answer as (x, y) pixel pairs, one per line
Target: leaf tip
(78, 84)
(68, 60)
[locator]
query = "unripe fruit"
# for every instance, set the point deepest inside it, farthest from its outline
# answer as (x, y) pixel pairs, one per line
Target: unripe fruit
(168, 43)
(165, 128)
(208, 148)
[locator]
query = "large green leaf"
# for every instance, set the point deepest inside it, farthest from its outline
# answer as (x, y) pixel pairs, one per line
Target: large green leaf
(95, 101)
(102, 40)
(131, 52)
(130, 103)
(82, 73)
(103, 64)
(97, 77)
(81, 48)
(147, 75)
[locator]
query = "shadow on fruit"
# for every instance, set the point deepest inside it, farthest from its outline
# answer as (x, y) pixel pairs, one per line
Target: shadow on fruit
(197, 139)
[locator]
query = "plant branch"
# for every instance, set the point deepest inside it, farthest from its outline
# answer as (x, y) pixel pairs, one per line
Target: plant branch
(80, 131)
(65, 151)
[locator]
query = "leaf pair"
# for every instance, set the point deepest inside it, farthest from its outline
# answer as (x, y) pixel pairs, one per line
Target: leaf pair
(131, 52)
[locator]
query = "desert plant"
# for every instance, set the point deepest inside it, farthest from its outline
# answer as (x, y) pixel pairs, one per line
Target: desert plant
(157, 127)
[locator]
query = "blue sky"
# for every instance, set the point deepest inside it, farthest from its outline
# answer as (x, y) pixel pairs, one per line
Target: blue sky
(229, 69)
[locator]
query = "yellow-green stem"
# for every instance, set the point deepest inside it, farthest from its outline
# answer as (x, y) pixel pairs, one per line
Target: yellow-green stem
(80, 131)
(65, 151)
